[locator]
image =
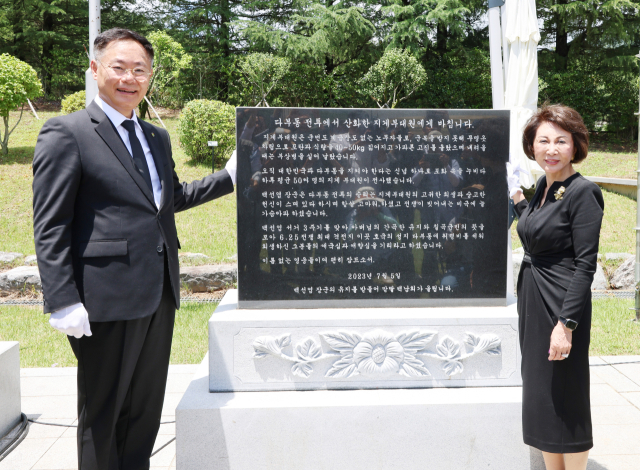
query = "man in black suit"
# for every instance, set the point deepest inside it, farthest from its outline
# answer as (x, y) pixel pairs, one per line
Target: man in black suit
(104, 197)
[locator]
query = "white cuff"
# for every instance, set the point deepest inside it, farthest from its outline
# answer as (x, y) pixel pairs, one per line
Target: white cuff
(232, 167)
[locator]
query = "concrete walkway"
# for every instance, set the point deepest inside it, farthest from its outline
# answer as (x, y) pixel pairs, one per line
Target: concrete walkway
(49, 395)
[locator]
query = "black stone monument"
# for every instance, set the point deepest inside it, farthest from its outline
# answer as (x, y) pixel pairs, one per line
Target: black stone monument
(371, 207)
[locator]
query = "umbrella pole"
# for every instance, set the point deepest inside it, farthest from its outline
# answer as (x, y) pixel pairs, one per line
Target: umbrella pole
(637, 267)
(495, 52)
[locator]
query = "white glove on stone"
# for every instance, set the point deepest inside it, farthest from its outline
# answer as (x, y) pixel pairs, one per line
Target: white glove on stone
(72, 321)
(232, 167)
(514, 170)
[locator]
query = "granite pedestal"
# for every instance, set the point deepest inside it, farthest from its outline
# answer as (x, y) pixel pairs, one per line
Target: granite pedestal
(356, 389)
(463, 428)
(339, 349)
(9, 386)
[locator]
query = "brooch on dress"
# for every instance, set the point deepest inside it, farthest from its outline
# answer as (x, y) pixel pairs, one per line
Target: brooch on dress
(559, 193)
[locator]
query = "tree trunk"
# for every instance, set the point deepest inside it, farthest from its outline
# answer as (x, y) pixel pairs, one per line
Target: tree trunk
(225, 18)
(562, 40)
(441, 38)
(47, 52)
(5, 138)
(16, 18)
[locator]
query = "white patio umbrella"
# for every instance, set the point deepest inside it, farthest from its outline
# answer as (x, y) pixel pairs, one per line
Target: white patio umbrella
(521, 37)
(513, 30)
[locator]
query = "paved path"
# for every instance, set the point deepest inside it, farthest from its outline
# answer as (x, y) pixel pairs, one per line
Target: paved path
(50, 395)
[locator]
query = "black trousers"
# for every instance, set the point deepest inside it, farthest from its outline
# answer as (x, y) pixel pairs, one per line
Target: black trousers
(122, 375)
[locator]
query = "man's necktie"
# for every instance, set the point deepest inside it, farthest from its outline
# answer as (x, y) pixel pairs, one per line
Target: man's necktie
(137, 152)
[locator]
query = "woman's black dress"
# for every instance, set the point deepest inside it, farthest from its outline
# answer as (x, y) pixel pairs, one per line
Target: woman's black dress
(560, 240)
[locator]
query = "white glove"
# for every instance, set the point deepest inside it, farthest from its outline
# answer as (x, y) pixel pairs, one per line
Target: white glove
(232, 167)
(72, 320)
(514, 171)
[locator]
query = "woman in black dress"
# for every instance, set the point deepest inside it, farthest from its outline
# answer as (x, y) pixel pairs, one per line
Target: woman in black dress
(559, 230)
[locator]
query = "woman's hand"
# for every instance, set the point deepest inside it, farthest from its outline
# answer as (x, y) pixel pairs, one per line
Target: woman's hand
(560, 342)
(513, 180)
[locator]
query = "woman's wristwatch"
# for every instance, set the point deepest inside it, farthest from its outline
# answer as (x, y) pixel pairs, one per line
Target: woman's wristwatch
(570, 324)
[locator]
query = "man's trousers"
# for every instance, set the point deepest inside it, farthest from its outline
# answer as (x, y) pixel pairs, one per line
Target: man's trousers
(122, 375)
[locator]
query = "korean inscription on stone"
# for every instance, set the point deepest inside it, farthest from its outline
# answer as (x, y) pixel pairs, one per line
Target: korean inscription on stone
(368, 207)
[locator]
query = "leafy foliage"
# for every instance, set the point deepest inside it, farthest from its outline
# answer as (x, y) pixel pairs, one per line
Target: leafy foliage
(330, 45)
(395, 77)
(580, 28)
(205, 120)
(325, 35)
(18, 82)
(457, 81)
(606, 99)
(263, 71)
(170, 59)
(50, 35)
(74, 102)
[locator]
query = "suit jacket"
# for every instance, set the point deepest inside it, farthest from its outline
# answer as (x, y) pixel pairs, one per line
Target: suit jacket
(100, 239)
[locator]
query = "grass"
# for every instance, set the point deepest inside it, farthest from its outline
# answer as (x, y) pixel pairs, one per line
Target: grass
(191, 333)
(42, 346)
(209, 229)
(617, 234)
(612, 333)
(609, 163)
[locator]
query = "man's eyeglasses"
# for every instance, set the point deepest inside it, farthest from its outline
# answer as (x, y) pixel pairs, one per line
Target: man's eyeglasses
(138, 73)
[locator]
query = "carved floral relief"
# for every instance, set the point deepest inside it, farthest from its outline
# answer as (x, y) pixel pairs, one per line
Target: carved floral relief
(377, 353)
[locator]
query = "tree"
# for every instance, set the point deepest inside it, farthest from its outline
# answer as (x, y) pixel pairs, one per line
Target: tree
(425, 27)
(169, 60)
(49, 35)
(18, 82)
(333, 38)
(393, 78)
(326, 35)
(607, 30)
(263, 71)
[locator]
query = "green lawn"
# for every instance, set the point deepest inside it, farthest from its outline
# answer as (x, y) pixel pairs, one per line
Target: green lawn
(617, 234)
(609, 163)
(42, 346)
(211, 229)
(208, 229)
(612, 332)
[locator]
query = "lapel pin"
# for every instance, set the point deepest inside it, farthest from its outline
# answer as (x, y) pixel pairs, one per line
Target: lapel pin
(152, 134)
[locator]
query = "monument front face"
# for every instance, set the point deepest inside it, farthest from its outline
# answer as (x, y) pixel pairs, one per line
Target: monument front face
(371, 207)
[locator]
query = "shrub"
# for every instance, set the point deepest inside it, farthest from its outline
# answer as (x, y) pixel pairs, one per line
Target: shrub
(457, 81)
(18, 82)
(395, 77)
(169, 62)
(605, 99)
(74, 102)
(263, 71)
(204, 120)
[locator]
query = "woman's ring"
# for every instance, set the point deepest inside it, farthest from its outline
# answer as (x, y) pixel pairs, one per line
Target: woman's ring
(565, 355)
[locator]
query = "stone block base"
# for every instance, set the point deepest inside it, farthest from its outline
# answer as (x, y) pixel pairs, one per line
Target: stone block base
(9, 386)
(444, 429)
(361, 348)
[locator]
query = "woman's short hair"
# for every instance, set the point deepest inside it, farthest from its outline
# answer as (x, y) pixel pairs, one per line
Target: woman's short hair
(564, 117)
(119, 34)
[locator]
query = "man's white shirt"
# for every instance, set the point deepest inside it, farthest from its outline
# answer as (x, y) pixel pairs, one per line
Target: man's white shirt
(117, 119)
